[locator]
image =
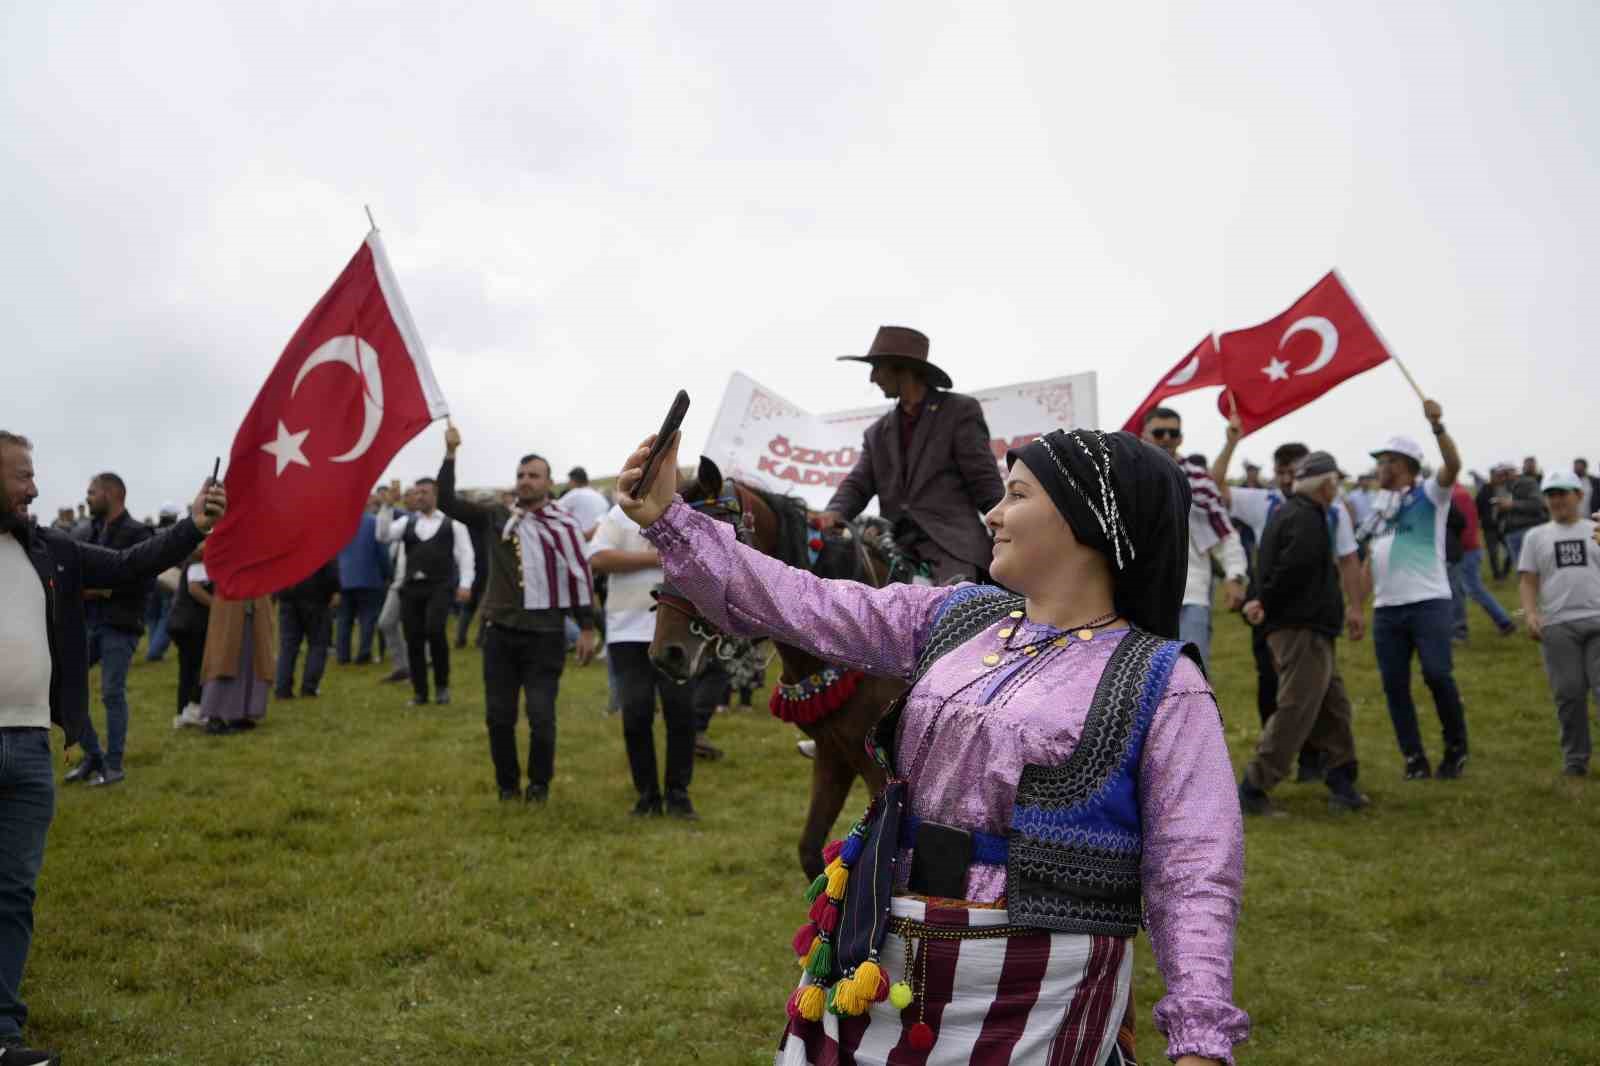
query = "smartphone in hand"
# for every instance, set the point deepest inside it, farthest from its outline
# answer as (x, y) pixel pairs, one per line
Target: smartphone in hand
(669, 426)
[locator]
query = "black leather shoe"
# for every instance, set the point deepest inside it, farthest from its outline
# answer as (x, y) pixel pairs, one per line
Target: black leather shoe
(1453, 763)
(678, 806)
(1417, 768)
(86, 770)
(1254, 801)
(105, 777)
(15, 1053)
(442, 696)
(538, 793)
(648, 806)
(507, 795)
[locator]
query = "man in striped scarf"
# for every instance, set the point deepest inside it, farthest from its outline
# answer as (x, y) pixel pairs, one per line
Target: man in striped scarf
(538, 577)
(1211, 536)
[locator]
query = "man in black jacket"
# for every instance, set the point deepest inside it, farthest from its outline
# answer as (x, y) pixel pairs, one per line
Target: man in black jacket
(1302, 611)
(115, 618)
(44, 678)
(305, 613)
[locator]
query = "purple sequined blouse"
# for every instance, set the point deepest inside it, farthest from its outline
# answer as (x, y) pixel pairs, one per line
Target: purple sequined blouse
(969, 728)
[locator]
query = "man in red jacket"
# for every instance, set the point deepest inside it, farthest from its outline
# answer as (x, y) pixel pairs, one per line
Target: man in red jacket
(1466, 573)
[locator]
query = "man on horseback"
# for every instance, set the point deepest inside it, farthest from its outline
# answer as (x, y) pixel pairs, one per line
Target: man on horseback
(928, 462)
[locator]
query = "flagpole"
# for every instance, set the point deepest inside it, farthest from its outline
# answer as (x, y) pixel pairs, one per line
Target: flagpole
(368, 208)
(1381, 338)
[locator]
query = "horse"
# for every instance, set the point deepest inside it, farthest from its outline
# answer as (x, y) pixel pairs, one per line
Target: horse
(838, 717)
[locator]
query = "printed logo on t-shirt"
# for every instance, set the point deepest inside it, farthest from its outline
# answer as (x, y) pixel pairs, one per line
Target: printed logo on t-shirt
(1572, 553)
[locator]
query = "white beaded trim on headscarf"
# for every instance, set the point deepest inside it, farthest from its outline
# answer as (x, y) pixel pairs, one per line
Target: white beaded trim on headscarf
(1106, 513)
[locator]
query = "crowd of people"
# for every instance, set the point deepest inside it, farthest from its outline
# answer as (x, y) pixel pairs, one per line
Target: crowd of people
(1074, 586)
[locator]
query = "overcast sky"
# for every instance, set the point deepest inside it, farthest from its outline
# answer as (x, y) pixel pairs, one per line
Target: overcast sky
(590, 205)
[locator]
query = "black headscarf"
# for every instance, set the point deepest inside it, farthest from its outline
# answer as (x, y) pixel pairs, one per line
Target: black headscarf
(1128, 501)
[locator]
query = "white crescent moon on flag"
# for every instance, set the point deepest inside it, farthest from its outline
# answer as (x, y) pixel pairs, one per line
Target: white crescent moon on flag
(355, 353)
(1186, 372)
(1323, 329)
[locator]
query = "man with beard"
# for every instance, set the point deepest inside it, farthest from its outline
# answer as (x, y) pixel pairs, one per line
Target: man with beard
(928, 462)
(44, 678)
(115, 618)
(538, 577)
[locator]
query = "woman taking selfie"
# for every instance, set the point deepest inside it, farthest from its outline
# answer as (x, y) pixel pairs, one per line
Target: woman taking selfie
(1063, 766)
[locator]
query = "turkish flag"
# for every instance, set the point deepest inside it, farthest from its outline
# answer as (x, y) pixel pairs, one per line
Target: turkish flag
(352, 387)
(1285, 363)
(1198, 370)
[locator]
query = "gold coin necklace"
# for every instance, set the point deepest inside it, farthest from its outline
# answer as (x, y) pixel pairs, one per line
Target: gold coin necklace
(1057, 637)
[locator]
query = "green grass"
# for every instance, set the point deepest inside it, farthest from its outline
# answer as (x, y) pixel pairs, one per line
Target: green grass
(343, 886)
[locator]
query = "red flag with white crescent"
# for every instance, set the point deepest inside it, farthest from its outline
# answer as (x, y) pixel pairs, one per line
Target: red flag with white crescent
(1288, 361)
(352, 387)
(1198, 370)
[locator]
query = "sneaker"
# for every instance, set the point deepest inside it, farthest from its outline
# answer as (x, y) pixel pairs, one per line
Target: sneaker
(86, 770)
(806, 747)
(538, 794)
(1417, 768)
(1454, 761)
(107, 776)
(442, 696)
(1575, 770)
(678, 806)
(398, 675)
(648, 806)
(189, 718)
(704, 749)
(1253, 801)
(13, 1053)
(1342, 795)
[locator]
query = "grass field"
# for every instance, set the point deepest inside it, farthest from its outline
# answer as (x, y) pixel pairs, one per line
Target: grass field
(342, 886)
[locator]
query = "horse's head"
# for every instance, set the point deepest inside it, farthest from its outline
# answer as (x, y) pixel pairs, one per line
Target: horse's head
(684, 642)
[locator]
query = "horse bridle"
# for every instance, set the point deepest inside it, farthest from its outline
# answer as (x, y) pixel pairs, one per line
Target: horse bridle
(733, 506)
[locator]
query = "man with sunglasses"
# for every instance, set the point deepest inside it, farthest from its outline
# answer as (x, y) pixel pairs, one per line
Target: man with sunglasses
(1211, 536)
(1413, 610)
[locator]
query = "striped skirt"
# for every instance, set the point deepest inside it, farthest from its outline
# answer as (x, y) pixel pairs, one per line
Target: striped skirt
(1052, 999)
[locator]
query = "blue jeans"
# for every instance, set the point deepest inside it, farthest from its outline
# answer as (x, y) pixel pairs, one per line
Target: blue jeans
(1424, 628)
(113, 650)
(1194, 626)
(155, 620)
(1514, 546)
(1466, 580)
(309, 622)
(27, 803)
(357, 606)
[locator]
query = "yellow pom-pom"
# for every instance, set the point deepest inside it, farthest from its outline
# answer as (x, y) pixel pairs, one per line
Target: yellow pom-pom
(836, 882)
(832, 866)
(866, 979)
(812, 1000)
(900, 995)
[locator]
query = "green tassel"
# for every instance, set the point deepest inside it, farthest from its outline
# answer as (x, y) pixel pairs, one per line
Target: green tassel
(818, 886)
(821, 966)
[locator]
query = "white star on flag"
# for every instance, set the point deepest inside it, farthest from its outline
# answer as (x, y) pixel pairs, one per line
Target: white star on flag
(286, 449)
(1276, 370)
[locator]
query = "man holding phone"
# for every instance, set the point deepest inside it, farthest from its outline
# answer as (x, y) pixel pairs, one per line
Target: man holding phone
(538, 577)
(44, 678)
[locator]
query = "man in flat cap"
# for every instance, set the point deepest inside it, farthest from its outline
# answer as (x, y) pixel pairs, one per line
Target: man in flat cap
(928, 462)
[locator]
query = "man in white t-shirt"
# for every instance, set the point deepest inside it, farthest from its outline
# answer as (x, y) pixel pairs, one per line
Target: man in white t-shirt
(1560, 588)
(1254, 507)
(588, 505)
(1412, 604)
(619, 550)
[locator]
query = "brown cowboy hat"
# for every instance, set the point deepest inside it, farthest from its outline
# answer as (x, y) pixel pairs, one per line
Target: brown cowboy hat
(906, 347)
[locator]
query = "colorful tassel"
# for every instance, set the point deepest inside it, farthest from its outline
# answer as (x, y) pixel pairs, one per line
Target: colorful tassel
(831, 850)
(821, 964)
(836, 883)
(900, 995)
(867, 977)
(817, 887)
(882, 991)
(847, 1001)
(804, 939)
(921, 1037)
(830, 919)
(811, 1002)
(820, 906)
(792, 1008)
(852, 849)
(811, 953)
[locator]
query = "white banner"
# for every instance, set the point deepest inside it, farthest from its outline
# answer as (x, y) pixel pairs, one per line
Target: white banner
(763, 439)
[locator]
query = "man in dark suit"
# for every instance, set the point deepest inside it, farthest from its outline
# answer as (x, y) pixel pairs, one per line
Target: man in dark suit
(928, 462)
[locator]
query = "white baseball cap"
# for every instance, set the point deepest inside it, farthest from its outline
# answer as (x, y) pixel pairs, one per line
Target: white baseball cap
(1561, 481)
(170, 509)
(1504, 464)
(1400, 446)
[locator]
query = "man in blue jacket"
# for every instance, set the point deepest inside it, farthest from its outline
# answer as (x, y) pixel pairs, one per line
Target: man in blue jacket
(363, 580)
(44, 678)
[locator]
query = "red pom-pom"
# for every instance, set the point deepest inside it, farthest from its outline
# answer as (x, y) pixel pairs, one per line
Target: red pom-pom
(883, 988)
(793, 1006)
(803, 939)
(921, 1037)
(831, 850)
(830, 919)
(819, 907)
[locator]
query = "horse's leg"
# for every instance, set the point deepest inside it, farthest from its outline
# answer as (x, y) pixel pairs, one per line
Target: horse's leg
(831, 778)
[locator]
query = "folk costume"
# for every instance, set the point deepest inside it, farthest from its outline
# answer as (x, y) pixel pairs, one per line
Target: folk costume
(1087, 769)
(932, 470)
